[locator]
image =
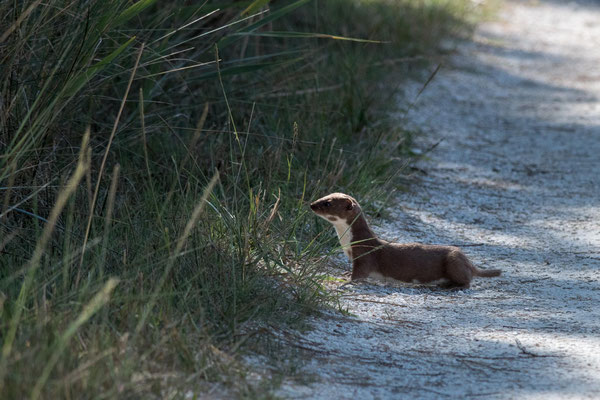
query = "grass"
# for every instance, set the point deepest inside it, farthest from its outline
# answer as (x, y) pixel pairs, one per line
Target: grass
(156, 163)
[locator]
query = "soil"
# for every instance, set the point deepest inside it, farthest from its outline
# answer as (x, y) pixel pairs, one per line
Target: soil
(515, 182)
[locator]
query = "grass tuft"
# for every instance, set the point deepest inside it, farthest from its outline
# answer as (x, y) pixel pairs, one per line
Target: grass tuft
(220, 121)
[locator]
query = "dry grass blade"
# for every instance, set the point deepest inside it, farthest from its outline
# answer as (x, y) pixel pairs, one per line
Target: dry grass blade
(103, 164)
(180, 244)
(60, 203)
(19, 20)
(97, 302)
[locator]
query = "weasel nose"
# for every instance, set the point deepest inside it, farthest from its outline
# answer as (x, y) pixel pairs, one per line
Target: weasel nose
(313, 206)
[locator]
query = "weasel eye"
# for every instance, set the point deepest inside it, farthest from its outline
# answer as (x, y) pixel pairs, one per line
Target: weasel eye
(327, 203)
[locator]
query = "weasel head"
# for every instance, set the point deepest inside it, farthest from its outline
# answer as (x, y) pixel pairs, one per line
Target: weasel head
(336, 207)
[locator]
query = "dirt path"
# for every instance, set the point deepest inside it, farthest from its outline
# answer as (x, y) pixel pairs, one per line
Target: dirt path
(517, 180)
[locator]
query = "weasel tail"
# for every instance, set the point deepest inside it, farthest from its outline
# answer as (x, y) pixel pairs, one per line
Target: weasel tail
(487, 273)
(484, 273)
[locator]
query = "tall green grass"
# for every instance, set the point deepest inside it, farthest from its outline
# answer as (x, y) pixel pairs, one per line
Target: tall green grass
(156, 161)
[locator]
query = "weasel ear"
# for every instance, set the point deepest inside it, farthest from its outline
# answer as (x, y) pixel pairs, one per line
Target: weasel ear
(349, 206)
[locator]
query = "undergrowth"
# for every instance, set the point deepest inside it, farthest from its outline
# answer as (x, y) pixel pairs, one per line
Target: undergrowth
(156, 162)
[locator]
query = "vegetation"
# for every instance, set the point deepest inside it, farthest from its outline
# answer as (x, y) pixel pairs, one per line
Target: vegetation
(156, 161)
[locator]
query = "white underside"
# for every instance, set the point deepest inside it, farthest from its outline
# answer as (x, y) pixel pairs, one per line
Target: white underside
(379, 276)
(435, 282)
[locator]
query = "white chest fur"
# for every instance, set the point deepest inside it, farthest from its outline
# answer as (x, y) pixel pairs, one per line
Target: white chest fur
(342, 228)
(345, 235)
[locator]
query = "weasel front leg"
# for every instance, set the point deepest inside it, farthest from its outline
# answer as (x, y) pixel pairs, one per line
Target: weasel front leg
(360, 270)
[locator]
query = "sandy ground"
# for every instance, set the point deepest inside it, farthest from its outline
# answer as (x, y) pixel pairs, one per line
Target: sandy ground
(516, 181)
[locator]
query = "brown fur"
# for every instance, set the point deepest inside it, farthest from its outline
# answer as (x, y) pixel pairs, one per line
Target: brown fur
(411, 262)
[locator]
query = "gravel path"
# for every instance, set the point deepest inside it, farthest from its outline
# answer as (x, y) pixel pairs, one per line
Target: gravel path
(516, 181)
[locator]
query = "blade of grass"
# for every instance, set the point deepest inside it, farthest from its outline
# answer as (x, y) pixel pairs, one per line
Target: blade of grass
(19, 20)
(132, 11)
(179, 246)
(210, 32)
(102, 165)
(97, 302)
(77, 83)
(227, 40)
(183, 27)
(305, 35)
(109, 210)
(256, 5)
(34, 262)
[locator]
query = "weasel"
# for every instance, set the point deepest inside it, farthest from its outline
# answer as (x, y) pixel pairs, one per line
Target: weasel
(373, 257)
